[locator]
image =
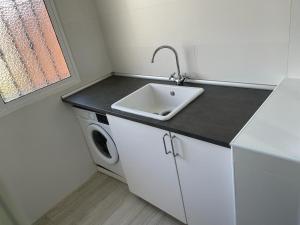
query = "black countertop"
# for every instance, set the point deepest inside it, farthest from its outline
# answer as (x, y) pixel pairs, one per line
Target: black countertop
(216, 116)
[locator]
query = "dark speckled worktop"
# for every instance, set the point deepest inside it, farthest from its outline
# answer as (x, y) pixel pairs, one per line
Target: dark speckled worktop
(216, 116)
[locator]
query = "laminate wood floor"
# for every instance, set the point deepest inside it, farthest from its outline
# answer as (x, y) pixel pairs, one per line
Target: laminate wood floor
(105, 201)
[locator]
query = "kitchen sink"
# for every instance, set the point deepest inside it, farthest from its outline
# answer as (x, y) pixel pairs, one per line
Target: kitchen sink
(158, 101)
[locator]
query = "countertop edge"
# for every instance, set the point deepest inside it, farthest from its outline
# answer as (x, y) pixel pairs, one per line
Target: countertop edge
(135, 119)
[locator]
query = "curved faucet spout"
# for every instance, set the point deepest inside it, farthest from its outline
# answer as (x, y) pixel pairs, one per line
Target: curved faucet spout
(175, 53)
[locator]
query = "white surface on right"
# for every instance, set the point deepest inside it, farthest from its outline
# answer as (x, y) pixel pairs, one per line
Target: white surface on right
(275, 128)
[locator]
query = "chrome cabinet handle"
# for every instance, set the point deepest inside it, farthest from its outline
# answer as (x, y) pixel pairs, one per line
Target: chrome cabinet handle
(175, 154)
(165, 146)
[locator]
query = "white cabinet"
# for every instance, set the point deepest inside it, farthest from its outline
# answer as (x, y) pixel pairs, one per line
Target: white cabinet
(176, 173)
(149, 167)
(206, 177)
(267, 188)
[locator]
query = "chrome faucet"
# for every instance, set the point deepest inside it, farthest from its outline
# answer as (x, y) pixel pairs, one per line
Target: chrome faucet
(178, 78)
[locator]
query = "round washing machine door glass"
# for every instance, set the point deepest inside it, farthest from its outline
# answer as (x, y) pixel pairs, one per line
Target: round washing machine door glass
(102, 144)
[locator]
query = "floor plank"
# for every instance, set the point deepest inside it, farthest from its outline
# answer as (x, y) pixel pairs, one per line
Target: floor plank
(105, 201)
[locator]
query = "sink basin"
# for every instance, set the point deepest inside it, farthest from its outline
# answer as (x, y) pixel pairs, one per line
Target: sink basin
(158, 101)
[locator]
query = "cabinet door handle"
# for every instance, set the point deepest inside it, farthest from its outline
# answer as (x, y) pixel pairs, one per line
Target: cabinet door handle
(165, 146)
(174, 152)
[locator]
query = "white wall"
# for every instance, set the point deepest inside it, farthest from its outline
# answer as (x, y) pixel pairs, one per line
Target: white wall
(43, 155)
(232, 40)
(81, 25)
(294, 60)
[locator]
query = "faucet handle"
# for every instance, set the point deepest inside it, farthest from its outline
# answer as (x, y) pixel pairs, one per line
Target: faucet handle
(186, 76)
(172, 77)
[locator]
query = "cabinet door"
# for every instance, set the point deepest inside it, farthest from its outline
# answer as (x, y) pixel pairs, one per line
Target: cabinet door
(149, 171)
(206, 177)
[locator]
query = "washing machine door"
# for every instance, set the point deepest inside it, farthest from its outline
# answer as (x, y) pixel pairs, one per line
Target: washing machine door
(102, 145)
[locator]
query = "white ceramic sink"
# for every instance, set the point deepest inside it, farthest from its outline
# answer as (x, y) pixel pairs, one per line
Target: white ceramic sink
(158, 101)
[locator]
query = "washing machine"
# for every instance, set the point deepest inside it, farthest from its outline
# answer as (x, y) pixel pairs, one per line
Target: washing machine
(101, 145)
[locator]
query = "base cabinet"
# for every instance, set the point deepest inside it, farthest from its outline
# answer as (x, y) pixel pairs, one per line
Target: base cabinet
(207, 183)
(149, 167)
(190, 179)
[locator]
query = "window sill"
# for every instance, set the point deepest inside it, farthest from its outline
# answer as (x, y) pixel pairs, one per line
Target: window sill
(38, 95)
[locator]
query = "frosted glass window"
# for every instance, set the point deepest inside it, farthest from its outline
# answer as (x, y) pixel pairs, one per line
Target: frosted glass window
(30, 54)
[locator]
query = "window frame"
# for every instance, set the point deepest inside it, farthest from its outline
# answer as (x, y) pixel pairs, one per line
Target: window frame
(9, 107)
